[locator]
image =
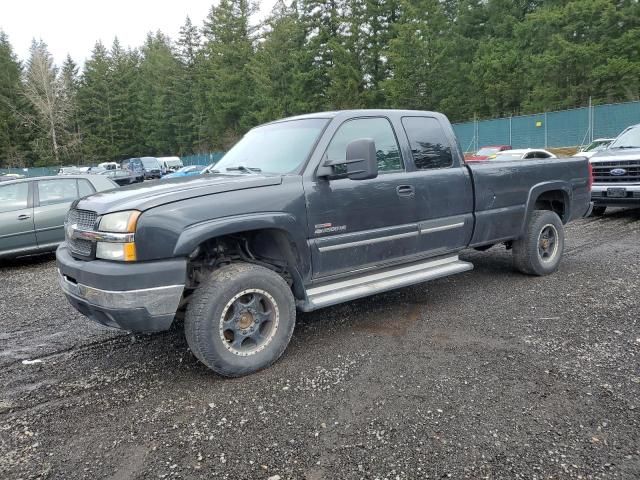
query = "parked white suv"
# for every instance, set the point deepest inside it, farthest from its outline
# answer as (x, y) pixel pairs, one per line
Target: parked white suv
(616, 172)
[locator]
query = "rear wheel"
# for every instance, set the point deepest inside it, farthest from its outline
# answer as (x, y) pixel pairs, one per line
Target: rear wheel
(598, 211)
(240, 319)
(539, 251)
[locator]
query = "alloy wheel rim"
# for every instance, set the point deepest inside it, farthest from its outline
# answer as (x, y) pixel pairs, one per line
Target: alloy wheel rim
(548, 243)
(249, 322)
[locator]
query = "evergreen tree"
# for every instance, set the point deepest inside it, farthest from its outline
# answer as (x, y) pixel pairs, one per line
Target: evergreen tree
(277, 67)
(69, 83)
(226, 72)
(159, 70)
(418, 56)
(94, 108)
(125, 104)
(461, 57)
(322, 21)
(190, 111)
(14, 141)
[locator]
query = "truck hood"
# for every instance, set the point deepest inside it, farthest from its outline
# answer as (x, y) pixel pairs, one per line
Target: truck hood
(148, 195)
(616, 155)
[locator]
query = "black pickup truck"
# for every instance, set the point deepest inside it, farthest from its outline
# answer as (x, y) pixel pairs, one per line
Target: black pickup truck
(304, 213)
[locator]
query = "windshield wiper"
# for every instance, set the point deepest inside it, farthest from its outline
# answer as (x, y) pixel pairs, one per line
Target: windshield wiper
(242, 168)
(626, 146)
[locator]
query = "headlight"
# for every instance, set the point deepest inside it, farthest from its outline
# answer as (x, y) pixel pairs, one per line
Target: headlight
(119, 222)
(117, 240)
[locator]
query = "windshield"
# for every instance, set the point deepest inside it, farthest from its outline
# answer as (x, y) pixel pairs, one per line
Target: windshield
(150, 163)
(630, 138)
(276, 148)
(597, 145)
(487, 151)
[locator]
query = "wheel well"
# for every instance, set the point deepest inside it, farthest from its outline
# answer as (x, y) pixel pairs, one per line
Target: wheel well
(270, 248)
(554, 200)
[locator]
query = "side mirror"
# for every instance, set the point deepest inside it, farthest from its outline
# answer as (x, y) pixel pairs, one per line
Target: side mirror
(361, 160)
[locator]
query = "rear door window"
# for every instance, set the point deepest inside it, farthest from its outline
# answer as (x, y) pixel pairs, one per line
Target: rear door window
(14, 197)
(51, 192)
(429, 144)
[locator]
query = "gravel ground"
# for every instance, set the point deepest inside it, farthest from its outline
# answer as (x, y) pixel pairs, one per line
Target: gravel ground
(489, 374)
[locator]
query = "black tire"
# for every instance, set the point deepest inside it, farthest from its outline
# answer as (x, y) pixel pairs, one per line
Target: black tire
(236, 295)
(539, 251)
(598, 210)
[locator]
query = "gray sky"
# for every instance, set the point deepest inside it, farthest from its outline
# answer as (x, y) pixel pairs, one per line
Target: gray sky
(74, 26)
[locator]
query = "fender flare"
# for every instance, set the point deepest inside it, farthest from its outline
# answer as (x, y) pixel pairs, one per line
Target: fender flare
(197, 233)
(543, 187)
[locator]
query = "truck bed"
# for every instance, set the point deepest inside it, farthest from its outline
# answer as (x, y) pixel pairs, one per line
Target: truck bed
(505, 193)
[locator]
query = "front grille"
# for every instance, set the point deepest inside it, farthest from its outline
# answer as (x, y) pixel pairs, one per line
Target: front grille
(83, 220)
(602, 171)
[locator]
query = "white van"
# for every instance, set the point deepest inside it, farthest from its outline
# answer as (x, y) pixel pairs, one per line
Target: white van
(170, 164)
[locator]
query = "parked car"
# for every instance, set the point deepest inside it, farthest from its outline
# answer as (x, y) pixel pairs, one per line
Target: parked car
(32, 210)
(134, 166)
(597, 145)
(187, 171)
(521, 154)
(170, 164)
(309, 212)
(151, 167)
(144, 168)
(109, 165)
(616, 172)
(5, 177)
(485, 152)
(121, 177)
(69, 170)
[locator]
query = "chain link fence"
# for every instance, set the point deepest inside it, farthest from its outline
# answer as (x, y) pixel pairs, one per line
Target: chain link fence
(566, 128)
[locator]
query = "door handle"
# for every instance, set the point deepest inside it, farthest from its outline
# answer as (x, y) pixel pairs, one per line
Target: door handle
(24, 217)
(405, 190)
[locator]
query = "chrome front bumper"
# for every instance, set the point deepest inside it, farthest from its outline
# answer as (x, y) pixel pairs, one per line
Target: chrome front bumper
(157, 301)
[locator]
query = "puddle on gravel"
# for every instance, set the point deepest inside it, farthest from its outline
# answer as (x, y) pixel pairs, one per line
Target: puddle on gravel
(395, 326)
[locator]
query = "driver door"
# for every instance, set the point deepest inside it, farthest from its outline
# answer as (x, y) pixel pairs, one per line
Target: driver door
(356, 224)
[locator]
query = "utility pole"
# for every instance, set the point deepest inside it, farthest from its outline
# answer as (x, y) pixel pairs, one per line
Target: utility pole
(545, 130)
(590, 117)
(510, 132)
(592, 120)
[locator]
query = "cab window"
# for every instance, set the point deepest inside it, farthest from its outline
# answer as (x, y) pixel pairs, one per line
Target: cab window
(380, 130)
(429, 145)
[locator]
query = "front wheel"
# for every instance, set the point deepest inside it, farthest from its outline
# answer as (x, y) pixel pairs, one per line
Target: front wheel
(540, 249)
(240, 319)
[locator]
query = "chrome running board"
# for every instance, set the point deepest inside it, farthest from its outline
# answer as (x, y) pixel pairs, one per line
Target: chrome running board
(342, 290)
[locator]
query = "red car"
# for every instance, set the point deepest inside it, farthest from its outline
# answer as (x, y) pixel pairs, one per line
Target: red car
(485, 152)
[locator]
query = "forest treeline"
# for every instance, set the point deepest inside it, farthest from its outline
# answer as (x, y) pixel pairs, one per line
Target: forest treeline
(201, 91)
